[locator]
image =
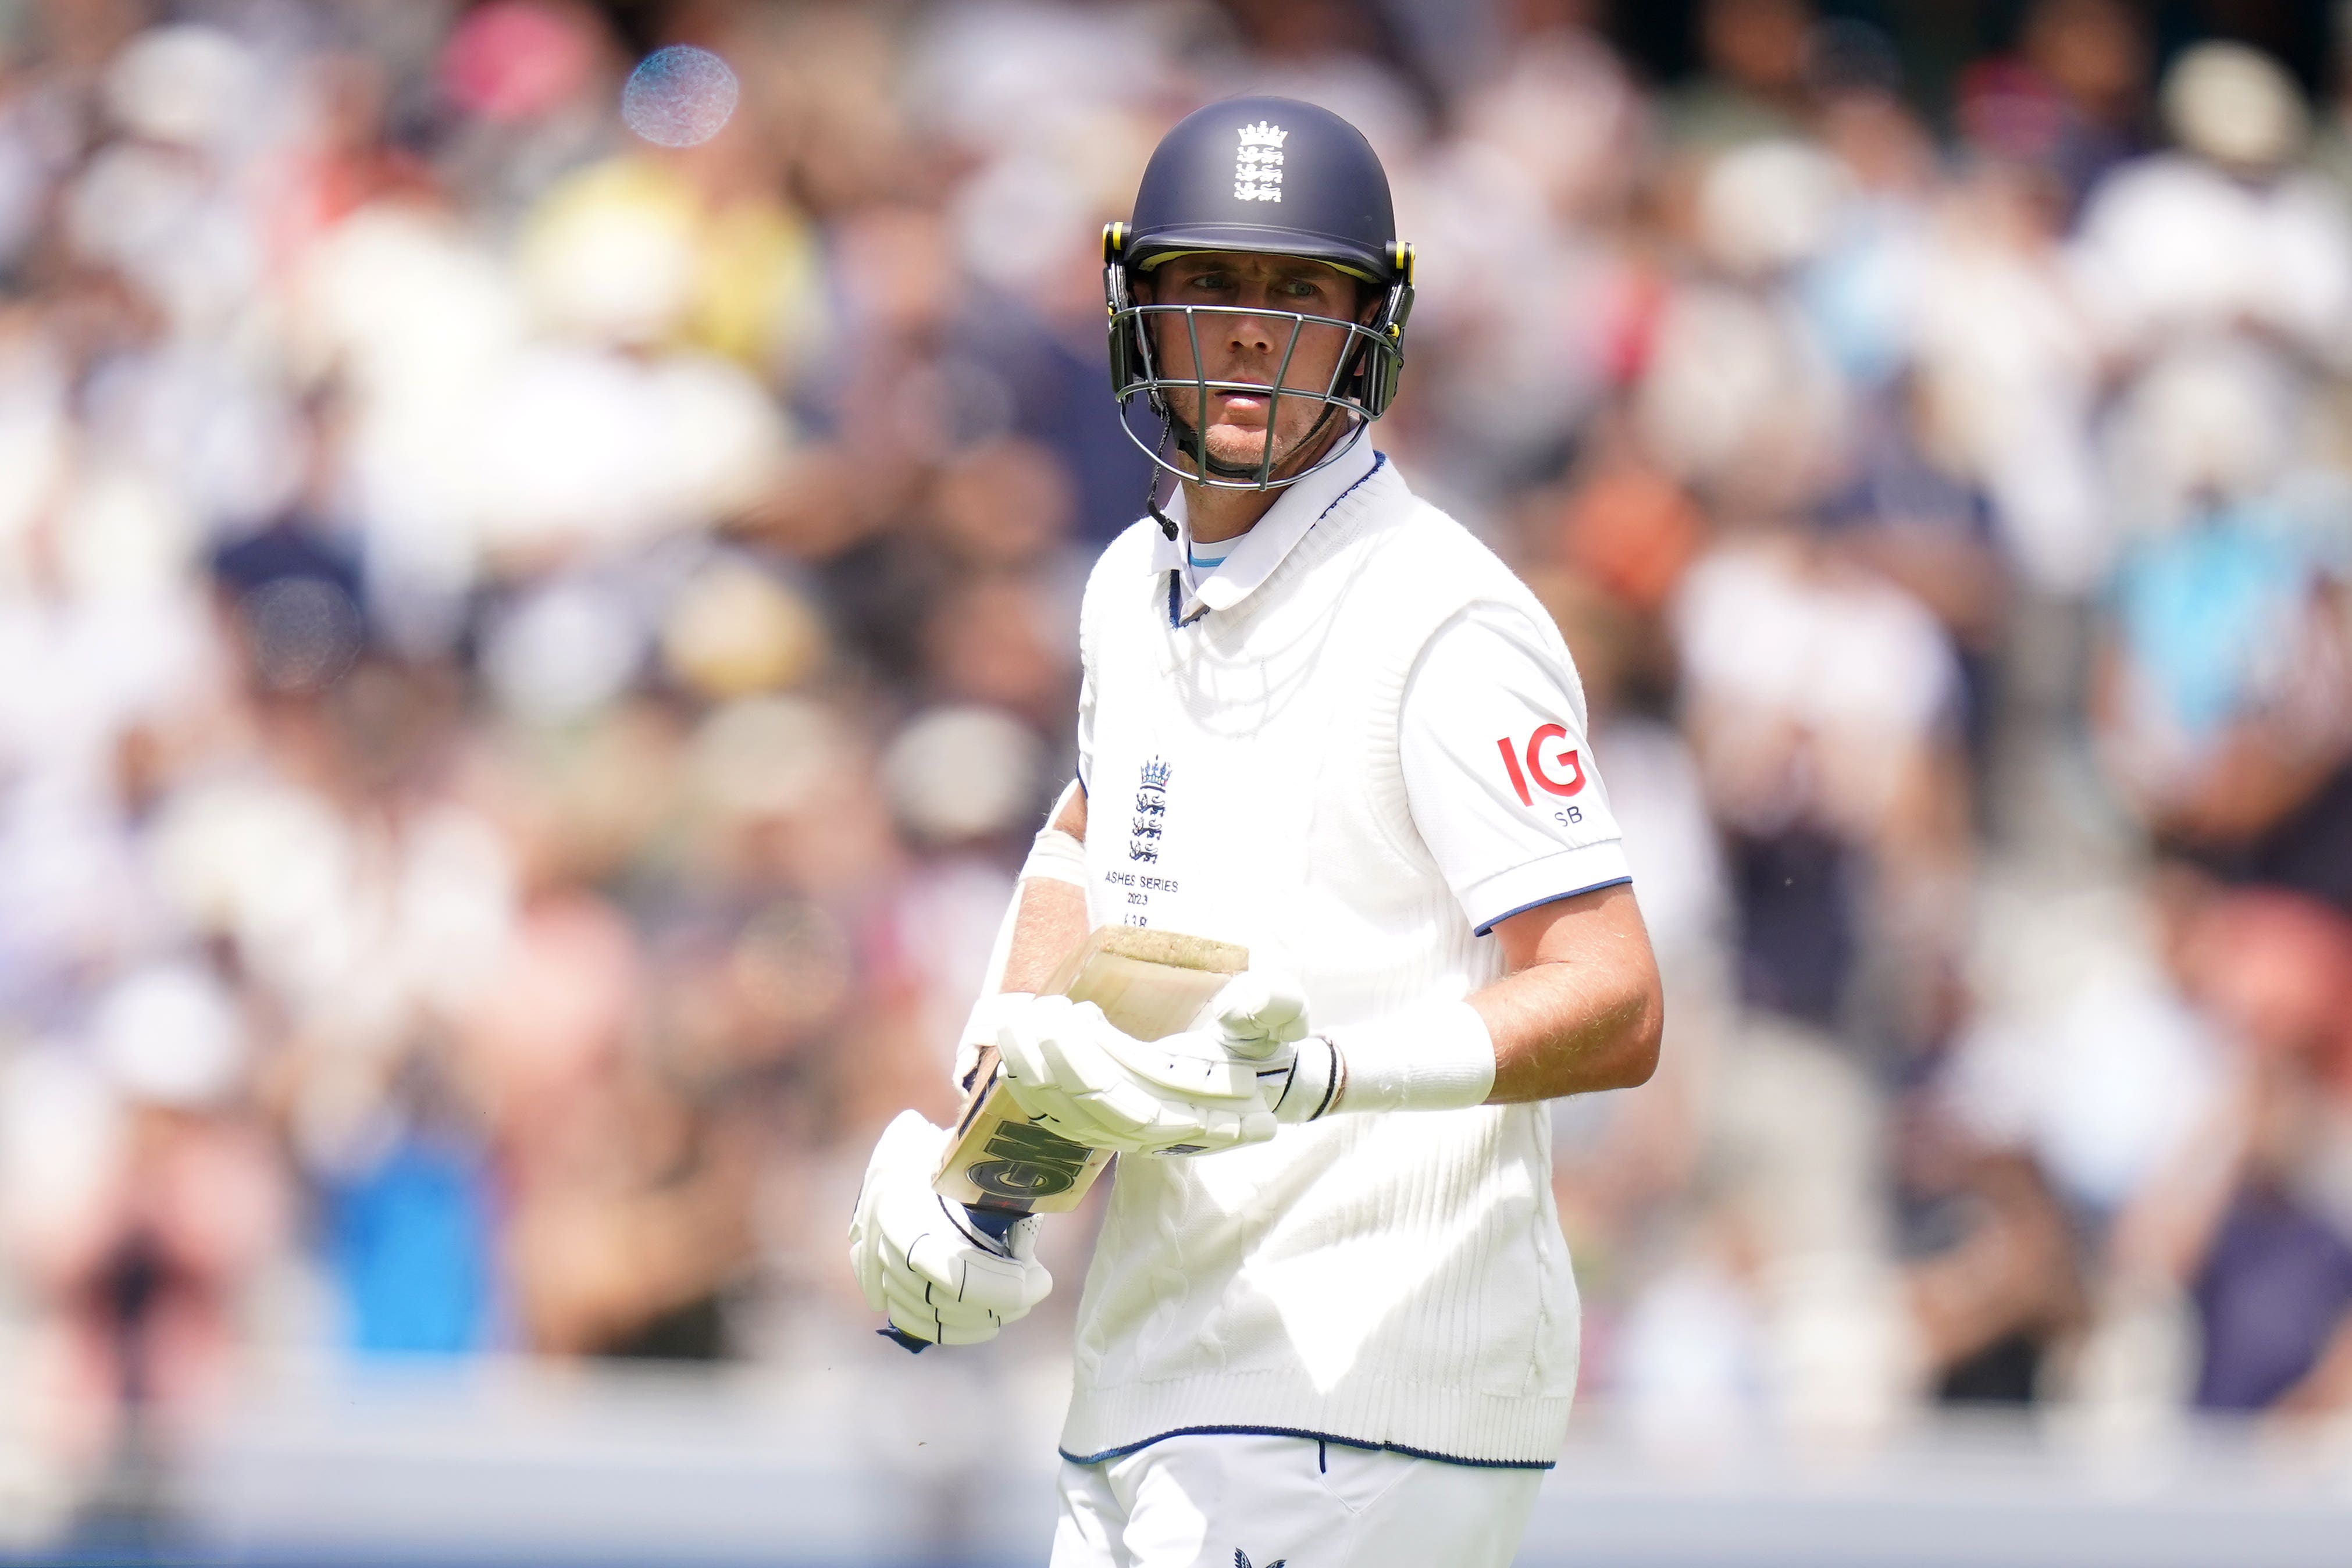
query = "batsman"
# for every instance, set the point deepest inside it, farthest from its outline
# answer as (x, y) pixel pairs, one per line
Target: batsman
(1331, 1320)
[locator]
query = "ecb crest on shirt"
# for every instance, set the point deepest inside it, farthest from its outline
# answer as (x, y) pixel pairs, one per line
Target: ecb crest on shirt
(1151, 812)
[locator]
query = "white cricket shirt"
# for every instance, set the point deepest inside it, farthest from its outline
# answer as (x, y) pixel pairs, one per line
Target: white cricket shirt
(1349, 746)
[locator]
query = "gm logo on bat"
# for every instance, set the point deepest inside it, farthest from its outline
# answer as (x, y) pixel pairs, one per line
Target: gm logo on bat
(1031, 1163)
(1544, 778)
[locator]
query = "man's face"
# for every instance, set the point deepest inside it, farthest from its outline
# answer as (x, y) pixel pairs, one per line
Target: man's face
(1248, 345)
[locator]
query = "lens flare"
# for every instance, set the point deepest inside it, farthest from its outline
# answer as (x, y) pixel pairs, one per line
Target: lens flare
(679, 96)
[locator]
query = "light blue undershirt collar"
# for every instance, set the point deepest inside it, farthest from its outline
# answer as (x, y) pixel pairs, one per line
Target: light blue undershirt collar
(1252, 557)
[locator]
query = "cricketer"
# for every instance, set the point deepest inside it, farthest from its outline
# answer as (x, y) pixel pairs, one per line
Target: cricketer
(1331, 1321)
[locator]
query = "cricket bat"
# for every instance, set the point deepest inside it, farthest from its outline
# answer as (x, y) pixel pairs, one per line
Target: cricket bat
(1149, 983)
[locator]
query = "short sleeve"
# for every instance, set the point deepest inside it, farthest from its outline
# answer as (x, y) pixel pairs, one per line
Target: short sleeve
(1499, 773)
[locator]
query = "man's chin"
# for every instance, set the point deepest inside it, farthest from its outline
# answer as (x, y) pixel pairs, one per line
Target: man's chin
(1238, 451)
(1237, 446)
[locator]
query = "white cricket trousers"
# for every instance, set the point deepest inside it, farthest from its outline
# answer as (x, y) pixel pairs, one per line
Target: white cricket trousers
(1240, 1501)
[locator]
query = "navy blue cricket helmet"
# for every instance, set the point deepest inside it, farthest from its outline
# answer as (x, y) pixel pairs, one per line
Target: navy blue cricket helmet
(1269, 176)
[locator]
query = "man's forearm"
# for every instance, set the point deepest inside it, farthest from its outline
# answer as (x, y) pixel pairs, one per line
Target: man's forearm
(1051, 921)
(1581, 1009)
(1562, 1029)
(1044, 920)
(1051, 917)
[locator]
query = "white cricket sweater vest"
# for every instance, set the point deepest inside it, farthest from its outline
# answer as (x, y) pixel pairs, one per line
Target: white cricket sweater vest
(1394, 1278)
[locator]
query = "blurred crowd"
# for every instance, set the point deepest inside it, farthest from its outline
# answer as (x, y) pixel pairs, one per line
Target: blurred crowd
(528, 658)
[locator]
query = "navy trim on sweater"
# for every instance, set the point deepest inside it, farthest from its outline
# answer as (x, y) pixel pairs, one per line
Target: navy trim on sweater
(1548, 899)
(1310, 1437)
(1379, 461)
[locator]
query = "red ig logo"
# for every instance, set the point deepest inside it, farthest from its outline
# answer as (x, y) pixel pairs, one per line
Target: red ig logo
(1543, 775)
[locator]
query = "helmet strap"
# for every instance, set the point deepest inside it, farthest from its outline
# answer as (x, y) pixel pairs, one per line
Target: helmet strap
(1151, 483)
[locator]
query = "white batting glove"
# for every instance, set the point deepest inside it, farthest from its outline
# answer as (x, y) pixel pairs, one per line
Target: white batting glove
(1075, 1074)
(1261, 1017)
(919, 1258)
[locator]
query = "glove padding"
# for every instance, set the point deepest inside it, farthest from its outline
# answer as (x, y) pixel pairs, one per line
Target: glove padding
(1076, 1075)
(1261, 1015)
(1261, 1018)
(918, 1255)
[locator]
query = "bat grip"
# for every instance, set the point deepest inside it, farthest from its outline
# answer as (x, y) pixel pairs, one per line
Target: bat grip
(899, 1336)
(996, 1223)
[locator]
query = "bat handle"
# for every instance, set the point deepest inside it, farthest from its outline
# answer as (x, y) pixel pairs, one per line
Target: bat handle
(996, 1223)
(899, 1336)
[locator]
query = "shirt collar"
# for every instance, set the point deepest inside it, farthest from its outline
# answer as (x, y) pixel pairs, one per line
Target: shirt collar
(1257, 553)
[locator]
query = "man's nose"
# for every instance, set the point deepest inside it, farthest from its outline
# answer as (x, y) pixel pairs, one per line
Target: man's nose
(1256, 334)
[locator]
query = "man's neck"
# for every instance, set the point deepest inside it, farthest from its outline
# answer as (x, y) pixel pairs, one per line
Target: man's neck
(1212, 514)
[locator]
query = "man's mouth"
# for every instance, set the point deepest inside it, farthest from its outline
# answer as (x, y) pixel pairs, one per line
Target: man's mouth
(1250, 406)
